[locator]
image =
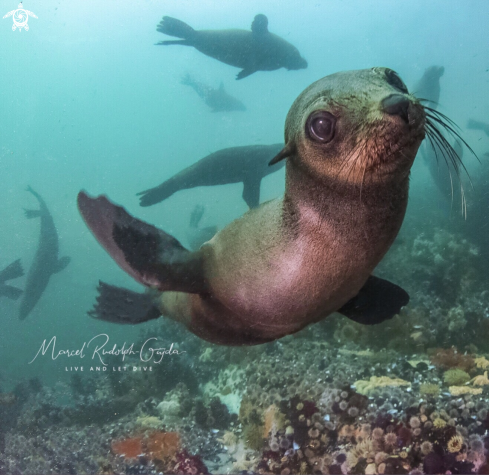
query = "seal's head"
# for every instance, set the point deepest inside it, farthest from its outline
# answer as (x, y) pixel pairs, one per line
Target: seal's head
(434, 72)
(355, 127)
(296, 61)
(292, 59)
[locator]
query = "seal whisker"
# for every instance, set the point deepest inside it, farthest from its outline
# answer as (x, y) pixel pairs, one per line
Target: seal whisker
(452, 132)
(349, 161)
(428, 135)
(346, 162)
(446, 148)
(439, 143)
(363, 177)
(441, 115)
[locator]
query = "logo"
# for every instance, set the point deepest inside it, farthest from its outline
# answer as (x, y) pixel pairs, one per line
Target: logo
(20, 16)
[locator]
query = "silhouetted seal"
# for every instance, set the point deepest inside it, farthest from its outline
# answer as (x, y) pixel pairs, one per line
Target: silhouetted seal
(217, 99)
(255, 50)
(351, 139)
(46, 261)
(247, 164)
(428, 86)
(12, 271)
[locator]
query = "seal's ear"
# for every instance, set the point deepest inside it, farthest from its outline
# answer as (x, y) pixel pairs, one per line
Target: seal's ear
(260, 24)
(287, 151)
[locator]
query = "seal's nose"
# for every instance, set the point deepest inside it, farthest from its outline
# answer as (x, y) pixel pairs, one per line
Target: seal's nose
(397, 104)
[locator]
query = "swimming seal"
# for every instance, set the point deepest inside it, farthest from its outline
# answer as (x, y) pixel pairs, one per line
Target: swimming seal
(255, 50)
(46, 261)
(428, 86)
(247, 165)
(12, 271)
(350, 142)
(217, 99)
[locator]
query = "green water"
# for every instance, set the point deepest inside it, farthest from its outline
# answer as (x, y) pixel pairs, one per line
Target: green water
(89, 102)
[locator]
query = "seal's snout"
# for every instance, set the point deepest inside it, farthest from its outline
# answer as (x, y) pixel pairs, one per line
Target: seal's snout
(397, 104)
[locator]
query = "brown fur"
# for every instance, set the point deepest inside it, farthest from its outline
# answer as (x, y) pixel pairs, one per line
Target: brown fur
(294, 260)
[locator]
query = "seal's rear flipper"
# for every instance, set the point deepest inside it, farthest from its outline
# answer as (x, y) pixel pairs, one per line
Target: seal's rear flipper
(149, 255)
(378, 300)
(118, 305)
(10, 292)
(173, 27)
(251, 191)
(12, 271)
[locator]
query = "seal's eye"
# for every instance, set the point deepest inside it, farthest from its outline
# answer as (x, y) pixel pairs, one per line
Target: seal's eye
(320, 126)
(394, 80)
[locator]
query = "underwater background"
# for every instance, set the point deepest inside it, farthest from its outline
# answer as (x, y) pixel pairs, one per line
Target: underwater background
(89, 102)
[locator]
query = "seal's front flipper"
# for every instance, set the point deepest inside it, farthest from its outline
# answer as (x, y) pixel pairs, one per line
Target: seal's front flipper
(158, 193)
(12, 271)
(62, 264)
(378, 300)
(118, 305)
(10, 292)
(245, 73)
(149, 255)
(251, 191)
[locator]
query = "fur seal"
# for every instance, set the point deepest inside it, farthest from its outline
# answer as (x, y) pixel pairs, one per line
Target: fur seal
(351, 139)
(46, 262)
(12, 271)
(428, 86)
(255, 50)
(248, 164)
(217, 99)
